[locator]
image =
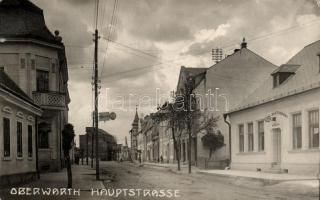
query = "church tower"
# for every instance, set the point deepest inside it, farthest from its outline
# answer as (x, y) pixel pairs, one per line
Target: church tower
(134, 134)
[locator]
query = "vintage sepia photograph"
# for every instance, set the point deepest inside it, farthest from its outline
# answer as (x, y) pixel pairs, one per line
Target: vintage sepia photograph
(159, 99)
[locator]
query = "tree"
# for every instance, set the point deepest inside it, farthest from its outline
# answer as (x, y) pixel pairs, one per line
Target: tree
(213, 138)
(67, 140)
(171, 113)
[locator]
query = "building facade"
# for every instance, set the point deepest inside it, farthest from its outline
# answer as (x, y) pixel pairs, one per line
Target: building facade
(35, 60)
(276, 128)
(221, 88)
(18, 116)
(107, 144)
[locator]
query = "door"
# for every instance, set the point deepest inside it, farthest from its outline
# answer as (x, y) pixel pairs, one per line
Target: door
(277, 146)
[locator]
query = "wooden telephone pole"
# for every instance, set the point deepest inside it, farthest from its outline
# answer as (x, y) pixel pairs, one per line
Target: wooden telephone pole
(96, 98)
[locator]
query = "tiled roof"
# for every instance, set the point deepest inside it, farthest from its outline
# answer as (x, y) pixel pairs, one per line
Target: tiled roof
(22, 19)
(188, 71)
(237, 76)
(306, 77)
(9, 85)
(195, 71)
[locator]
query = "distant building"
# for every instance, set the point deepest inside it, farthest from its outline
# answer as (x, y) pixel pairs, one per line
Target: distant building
(220, 88)
(107, 144)
(276, 128)
(35, 60)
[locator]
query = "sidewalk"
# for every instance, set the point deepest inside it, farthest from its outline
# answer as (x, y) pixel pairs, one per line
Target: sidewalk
(83, 177)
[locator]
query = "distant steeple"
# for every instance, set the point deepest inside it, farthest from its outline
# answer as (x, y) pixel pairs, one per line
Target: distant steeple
(244, 43)
(136, 118)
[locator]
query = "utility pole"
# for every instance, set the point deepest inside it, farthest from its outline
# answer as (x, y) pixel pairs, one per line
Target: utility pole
(96, 98)
(92, 140)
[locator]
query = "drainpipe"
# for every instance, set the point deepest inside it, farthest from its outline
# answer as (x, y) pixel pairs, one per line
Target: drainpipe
(229, 126)
(37, 148)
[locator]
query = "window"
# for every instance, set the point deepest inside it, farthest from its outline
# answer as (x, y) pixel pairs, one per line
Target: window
(30, 141)
(241, 138)
(314, 128)
(297, 131)
(261, 135)
(43, 140)
(42, 81)
(23, 63)
(53, 67)
(250, 136)
(6, 137)
(33, 64)
(19, 139)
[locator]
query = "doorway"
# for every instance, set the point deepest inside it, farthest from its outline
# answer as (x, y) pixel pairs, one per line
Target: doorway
(277, 146)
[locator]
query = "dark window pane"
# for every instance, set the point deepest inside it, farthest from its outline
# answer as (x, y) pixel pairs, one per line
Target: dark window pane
(43, 140)
(6, 137)
(42, 81)
(19, 139)
(30, 141)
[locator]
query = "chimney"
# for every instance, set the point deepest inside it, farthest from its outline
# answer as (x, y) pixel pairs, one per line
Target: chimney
(244, 43)
(236, 50)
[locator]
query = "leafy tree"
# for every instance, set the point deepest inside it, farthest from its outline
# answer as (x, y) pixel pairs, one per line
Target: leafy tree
(213, 138)
(174, 117)
(67, 140)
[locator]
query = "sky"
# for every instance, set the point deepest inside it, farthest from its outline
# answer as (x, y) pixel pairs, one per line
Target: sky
(149, 40)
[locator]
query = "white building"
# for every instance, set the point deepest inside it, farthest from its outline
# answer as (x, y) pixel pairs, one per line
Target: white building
(17, 130)
(277, 127)
(35, 60)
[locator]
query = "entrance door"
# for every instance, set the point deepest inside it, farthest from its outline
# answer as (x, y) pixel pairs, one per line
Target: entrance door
(277, 146)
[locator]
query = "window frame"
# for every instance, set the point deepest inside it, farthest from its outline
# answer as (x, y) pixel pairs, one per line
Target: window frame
(42, 84)
(261, 134)
(250, 137)
(6, 141)
(19, 139)
(30, 141)
(296, 144)
(241, 137)
(312, 126)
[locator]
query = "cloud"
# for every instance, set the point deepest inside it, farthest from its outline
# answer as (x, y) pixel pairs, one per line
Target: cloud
(177, 33)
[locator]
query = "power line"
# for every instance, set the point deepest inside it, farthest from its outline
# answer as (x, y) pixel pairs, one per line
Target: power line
(111, 27)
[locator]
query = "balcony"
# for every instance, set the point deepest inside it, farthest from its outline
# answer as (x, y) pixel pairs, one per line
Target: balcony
(50, 100)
